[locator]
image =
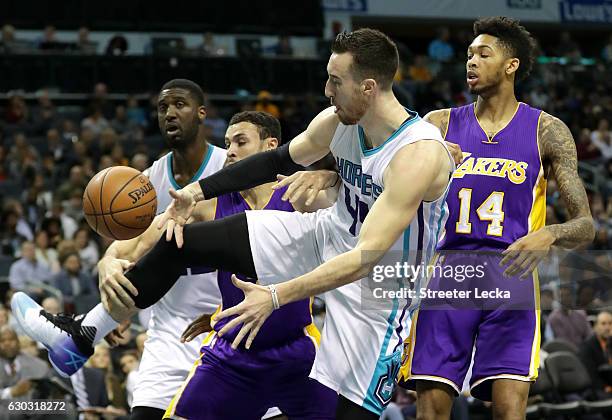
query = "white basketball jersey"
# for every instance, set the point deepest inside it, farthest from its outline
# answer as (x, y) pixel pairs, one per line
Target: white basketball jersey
(193, 294)
(371, 331)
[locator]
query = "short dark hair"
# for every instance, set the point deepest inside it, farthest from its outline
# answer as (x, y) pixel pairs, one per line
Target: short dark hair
(374, 54)
(267, 124)
(513, 37)
(192, 87)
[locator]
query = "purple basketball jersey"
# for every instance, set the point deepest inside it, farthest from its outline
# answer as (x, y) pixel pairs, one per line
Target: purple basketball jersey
(498, 193)
(285, 324)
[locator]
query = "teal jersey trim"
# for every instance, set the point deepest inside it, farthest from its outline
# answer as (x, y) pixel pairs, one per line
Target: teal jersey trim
(414, 117)
(197, 175)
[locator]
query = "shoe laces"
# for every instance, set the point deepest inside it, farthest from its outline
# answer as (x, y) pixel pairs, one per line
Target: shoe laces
(61, 320)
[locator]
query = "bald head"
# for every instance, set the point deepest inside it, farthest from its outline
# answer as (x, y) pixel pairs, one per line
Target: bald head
(603, 325)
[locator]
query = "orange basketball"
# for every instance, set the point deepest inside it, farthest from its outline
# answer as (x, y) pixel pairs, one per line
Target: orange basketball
(119, 202)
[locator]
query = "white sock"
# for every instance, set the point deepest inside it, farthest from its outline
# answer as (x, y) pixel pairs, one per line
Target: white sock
(101, 320)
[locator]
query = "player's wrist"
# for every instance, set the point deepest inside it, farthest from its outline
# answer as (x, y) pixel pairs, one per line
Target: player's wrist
(274, 296)
(195, 190)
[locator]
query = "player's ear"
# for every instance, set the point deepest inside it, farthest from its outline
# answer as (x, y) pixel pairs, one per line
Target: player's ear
(271, 143)
(512, 66)
(368, 86)
(201, 113)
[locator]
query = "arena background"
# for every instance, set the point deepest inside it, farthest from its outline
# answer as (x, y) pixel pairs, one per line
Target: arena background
(78, 86)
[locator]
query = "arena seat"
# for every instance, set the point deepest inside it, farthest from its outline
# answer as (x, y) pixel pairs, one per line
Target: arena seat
(556, 345)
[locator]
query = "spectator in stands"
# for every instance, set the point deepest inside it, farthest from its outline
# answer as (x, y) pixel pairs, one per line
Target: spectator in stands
(216, 123)
(101, 360)
(118, 156)
(108, 140)
(264, 104)
(118, 45)
(419, 71)
(283, 47)
(122, 124)
(209, 47)
(596, 351)
(100, 99)
(440, 49)
(69, 131)
(28, 346)
(606, 52)
(27, 274)
(8, 38)
(95, 121)
(568, 48)
(44, 114)
(76, 182)
(129, 365)
(140, 161)
(46, 255)
(48, 41)
(602, 138)
(4, 164)
(35, 201)
(88, 249)
(17, 370)
(603, 224)
(539, 97)
(56, 146)
(11, 237)
(135, 114)
(23, 157)
(17, 112)
(585, 148)
(51, 305)
(77, 287)
(4, 316)
(84, 45)
(567, 323)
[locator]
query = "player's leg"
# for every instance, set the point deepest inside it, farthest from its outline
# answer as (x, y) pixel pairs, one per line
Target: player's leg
(510, 399)
(146, 413)
(348, 410)
(221, 244)
(435, 400)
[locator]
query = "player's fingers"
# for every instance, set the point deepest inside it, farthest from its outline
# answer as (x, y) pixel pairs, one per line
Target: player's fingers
(312, 194)
(515, 267)
(170, 230)
(532, 264)
(241, 334)
(294, 184)
(125, 283)
(118, 288)
(178, 235)
(232, 324)
(243, 285)
(253, 334)
(110, 339)
(297, 193)
(281, 181)
(508, 257)
(163, 219)
(126, 265)
(174, 194)
(188, 334)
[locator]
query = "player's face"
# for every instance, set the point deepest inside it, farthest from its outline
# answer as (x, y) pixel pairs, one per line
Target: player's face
(486, 64)
(344, 92)
(242, 140)
(179, 117)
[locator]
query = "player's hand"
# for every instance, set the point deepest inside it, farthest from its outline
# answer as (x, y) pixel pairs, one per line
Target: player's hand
(455, 151)
(197, 327)
(113, 285)
(307, 184)
(113, 337)
(22, 388)
(523, 256)
(177, 214)
(252, 312)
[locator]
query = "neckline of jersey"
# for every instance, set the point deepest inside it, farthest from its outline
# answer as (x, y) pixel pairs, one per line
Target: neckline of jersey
(412, 118)
(518, 106)
(197, 175)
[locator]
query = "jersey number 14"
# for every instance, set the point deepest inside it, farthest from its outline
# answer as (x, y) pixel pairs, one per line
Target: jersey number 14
(490, 211)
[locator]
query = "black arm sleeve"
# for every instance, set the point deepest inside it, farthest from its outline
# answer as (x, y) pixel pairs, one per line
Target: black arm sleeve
(250, 172)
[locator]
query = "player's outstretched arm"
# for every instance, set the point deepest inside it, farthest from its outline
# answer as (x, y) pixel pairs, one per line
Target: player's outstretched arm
(308, 147)
(427, 165)
(558, 152)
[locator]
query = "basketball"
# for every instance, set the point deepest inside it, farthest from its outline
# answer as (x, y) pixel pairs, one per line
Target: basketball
(119, 202)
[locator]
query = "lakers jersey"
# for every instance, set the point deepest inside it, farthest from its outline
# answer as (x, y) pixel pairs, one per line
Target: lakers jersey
(498, 193)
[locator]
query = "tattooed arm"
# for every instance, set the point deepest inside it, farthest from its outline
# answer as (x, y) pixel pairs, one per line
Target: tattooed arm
(558, 151)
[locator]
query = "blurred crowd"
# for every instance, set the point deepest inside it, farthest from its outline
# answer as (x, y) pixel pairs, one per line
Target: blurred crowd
(48, 153)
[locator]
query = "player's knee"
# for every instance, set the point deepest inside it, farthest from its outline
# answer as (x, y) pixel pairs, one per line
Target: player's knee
(434, 400)
(509, 408)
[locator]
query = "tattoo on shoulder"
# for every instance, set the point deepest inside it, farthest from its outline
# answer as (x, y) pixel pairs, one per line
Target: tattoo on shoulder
(440, 119)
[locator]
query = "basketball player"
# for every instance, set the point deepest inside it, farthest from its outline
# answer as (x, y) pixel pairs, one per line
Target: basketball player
(165, 361)
(497, 204)
(378, 145)
(281, 358)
